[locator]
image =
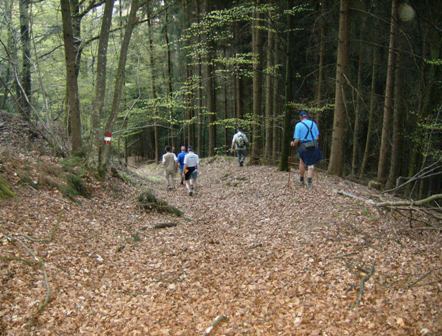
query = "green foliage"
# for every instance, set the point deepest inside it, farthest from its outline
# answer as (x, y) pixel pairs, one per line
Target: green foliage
(75, 187)
(5, 189)
(149, 202)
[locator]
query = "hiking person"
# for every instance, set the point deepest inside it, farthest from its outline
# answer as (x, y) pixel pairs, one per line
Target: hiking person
(239, 144)
(191, 167)
(170, 166)
(306, 138)
(181, 156)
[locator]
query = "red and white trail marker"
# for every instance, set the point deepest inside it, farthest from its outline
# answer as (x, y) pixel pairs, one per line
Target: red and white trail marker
(107, 138)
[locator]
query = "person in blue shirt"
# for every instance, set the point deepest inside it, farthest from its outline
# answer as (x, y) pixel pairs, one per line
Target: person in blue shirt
(306, 137)
(181, 156)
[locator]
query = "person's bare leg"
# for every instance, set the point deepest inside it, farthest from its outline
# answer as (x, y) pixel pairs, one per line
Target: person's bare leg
(310, 171)
(301, 171)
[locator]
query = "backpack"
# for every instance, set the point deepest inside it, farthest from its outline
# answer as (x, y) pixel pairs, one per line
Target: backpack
(241, 140)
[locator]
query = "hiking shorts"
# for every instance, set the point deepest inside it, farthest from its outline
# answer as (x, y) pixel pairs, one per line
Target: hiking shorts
(191, 173)
(310, 156)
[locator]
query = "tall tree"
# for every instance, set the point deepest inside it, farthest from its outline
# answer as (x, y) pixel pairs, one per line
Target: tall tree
(337, 148)
(73, 100)
(154, 90)
(371, 109)
(388, 99)
(396, 129)
(100, 81)
(289, 91)
(209, 84)
(269, 96)
(258, 61)
(118, 89)
(26, 79)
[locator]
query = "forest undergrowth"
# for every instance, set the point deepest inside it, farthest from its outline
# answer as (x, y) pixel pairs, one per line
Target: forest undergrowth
(272, 258)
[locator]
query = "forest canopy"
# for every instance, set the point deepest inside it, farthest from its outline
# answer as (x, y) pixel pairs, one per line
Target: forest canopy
(113, 79)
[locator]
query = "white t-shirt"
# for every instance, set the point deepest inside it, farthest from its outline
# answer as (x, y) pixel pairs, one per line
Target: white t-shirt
(191, 160)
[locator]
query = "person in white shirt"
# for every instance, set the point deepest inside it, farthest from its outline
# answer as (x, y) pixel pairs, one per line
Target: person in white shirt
(191, 167)
(239, 144)
(170, 164)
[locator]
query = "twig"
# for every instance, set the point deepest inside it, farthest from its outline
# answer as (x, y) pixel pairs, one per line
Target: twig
(422, 277)
(215, 323)
(361, 292)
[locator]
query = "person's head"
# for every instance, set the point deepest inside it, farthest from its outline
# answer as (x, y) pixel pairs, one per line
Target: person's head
(183, 148)
(303, 114)
(239, 130)
(168, 149)
(189, 149)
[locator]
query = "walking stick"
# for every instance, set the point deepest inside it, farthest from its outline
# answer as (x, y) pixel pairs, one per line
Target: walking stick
(288, 164)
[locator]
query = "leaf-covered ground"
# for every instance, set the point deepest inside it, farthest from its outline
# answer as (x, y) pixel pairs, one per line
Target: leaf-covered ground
(274, 260)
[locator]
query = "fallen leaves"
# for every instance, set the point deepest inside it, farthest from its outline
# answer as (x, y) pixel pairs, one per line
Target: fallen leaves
(275, 261)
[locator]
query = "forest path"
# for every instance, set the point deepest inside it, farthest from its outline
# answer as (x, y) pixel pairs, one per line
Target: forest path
(285, 261)
(275, 261)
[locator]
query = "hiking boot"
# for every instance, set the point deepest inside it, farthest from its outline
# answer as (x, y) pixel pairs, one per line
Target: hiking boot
(309, 185)
(190, 192)
(241, 164)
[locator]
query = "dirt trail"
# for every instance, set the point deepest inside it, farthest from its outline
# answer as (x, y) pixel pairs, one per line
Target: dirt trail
(275, 261)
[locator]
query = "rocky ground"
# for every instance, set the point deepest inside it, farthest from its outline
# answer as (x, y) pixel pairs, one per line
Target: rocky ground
(272, 259)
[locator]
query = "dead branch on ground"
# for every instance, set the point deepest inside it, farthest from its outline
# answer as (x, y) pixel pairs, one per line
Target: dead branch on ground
(365, 278)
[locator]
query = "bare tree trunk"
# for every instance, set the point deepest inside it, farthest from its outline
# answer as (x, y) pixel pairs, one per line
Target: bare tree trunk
(258, 61)
(276, 133)
(100, 82)
(268, 98)
(396, 139)
(337, 148)
(12, 53)
(26, 79)
(289, 92)
(172, 135)
(372, 107)
(154, 92)
(118, 90)
(71, 77)
(388, 100)
(322, 4)
(356, 126)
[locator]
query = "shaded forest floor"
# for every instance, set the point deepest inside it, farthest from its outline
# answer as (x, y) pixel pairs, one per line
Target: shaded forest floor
(273, 260)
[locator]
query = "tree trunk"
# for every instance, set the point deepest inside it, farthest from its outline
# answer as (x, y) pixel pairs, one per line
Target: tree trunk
(396, 139)
(268, 98)
(209, 83)
(11, 66)
(289, 92)
(73, 100)
(26, 80)
(154, 92)
(388, 100)
(322, 4)
(372, 107)
(275, 109)
(258, 61)
(118, 90)
(172, 135)
(356, 126)
(100, 82)
(337, 148)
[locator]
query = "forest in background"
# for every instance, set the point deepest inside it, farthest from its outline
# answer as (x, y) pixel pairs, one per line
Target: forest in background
(112, 79)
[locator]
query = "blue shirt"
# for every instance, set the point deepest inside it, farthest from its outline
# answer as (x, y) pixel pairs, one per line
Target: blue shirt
(302, 132)
(181, 159)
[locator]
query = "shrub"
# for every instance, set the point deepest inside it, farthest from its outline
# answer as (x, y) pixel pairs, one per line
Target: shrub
(149, 202)
(5, 190)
